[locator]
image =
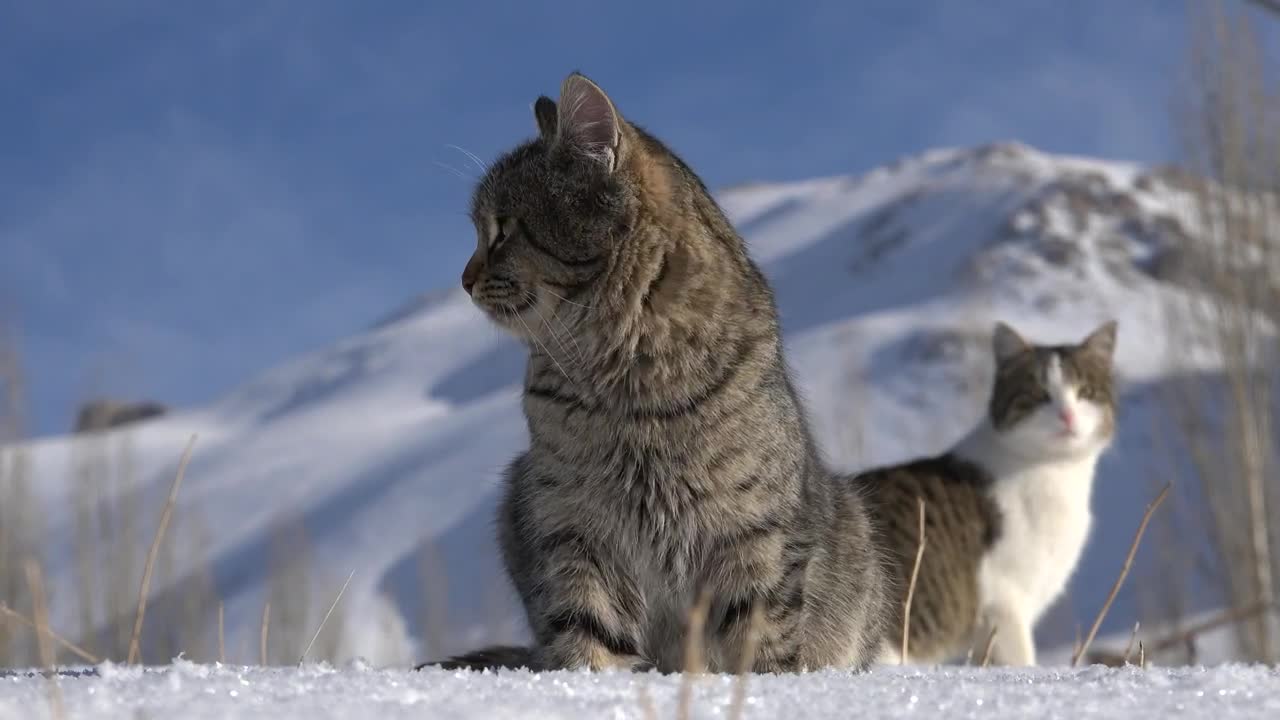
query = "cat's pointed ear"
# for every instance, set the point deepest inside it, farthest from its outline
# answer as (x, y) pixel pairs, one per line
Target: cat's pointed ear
(587, 120)
(1101, 342)
(1007, 343)
(544, 111)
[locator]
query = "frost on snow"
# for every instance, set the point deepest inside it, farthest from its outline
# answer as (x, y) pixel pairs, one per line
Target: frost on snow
(187, 690)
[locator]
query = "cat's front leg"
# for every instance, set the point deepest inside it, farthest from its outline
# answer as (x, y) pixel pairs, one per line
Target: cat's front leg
(1013, 643)
(587, 612)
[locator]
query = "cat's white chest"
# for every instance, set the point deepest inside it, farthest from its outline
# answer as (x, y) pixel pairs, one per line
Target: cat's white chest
(1045, 526)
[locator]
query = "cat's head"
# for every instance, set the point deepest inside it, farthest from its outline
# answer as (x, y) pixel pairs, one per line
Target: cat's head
(547, 214)
(1054, 399)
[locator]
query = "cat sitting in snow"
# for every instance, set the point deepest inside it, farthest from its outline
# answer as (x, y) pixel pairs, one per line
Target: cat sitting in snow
(1007, 508)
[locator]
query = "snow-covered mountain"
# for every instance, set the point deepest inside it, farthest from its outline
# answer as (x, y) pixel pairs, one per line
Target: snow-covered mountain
(388, 446)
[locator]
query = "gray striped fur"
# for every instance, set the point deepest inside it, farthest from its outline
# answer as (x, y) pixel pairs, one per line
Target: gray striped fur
(669, 454)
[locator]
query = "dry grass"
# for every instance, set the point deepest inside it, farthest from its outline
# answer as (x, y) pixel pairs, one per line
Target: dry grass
(1230, 129)
(48, 656)
(694, 653)
(1133, 638)
(986, 650)
(911, 587)
(222, 635)
(135, 641)
(336, 600)
(434, 607)
(1124, 572)
(750, 644)
(646, 701)
(262, 636)
(65, 643)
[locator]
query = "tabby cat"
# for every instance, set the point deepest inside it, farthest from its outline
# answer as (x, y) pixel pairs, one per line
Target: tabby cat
(1007, 509)
(669, 457)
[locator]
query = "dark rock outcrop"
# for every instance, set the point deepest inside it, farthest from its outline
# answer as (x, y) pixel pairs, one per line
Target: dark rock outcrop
(103, 414)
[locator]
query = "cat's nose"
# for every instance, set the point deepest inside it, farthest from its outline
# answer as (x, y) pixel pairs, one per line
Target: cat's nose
(1067, 417)
(471, 273)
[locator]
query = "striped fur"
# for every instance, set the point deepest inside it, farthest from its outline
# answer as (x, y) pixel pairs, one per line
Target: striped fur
(669, 455)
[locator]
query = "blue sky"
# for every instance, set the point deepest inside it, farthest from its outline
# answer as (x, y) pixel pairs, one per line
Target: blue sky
(193, 191)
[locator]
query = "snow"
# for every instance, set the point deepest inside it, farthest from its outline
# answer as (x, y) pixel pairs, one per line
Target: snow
(390, 443)
(192, 692)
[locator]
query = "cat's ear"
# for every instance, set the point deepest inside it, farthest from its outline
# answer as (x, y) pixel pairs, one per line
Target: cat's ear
(544, 111)
(1101, 342)
(1007, 343)
(588, 121)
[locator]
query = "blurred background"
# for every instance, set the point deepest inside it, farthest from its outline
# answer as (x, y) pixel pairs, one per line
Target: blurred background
(193, 192)
(245, 221)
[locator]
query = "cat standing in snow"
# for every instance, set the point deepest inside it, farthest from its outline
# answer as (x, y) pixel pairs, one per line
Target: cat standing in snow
(1007, 509)
(669, 456)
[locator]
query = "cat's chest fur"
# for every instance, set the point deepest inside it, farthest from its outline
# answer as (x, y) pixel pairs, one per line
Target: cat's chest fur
(1045, 525)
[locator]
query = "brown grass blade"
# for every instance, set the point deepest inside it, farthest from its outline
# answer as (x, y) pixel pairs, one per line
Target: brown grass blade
(48, 657)
(262, 637)
(65, 643)
(694, 652)
(1124, 572)
(911, 588)
(325, 619)
(135, 640)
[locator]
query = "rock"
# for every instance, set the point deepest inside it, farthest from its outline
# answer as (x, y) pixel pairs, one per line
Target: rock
(103, 414)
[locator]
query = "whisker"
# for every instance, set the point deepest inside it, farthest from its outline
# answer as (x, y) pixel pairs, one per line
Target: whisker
(453, 170)
(484, 167)
(565, 299)
(538, 342)
(575, 356)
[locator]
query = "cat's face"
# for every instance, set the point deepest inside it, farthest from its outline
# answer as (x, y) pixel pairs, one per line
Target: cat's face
(1054, 399)
(547, 213)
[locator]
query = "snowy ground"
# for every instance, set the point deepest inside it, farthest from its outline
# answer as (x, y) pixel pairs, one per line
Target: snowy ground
(186, 690)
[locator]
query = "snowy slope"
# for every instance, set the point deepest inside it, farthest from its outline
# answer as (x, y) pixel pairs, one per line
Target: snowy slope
(389, 445)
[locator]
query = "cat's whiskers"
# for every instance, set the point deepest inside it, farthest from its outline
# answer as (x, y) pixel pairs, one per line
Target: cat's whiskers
(538, 342)
(484, 167)
(576, 355)
(453, 170)
(562, 298)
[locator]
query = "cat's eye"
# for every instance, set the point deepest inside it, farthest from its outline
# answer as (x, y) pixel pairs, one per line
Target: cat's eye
(1087, 393)
(499, 234)
(1030, 401)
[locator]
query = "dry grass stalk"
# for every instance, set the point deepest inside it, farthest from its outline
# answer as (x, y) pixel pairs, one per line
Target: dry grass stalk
(48, 657)
(986, 651)
(1128, 649)
(750, 644)
(222, 637)
(325, 619)
(1142, 656)
(65, 643)
(911, 587)
(1229, 122)
(433, 579)
(1124, 572)
(262, 637)
(1185, 637)
(135, 640)
(646, 701)
(694, 652)
(1227, 617)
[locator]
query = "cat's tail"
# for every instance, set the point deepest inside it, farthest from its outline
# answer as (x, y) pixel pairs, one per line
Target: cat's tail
(508, 657)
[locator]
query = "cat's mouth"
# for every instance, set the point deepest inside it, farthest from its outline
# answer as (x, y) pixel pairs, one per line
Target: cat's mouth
(509, 308)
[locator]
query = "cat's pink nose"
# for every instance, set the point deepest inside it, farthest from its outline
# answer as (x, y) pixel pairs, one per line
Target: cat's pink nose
(1067, 417)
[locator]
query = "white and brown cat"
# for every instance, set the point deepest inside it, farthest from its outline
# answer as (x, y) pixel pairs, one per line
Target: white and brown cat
(1007, 507)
